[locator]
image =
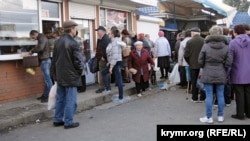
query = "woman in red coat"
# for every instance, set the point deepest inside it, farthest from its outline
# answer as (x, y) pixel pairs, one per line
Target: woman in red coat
(138, 64)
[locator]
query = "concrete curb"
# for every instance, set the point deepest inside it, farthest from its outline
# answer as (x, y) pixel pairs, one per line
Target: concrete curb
(37, 112)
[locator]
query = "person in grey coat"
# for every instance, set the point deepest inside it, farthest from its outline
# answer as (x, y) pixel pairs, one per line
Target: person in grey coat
(214, 59)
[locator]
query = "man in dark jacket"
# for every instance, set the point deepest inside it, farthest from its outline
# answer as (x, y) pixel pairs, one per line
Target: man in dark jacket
(67, 64)
(191, 54)
(43, 51)
(102, 43)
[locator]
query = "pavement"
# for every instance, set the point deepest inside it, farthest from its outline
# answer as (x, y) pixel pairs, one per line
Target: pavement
(18, 113)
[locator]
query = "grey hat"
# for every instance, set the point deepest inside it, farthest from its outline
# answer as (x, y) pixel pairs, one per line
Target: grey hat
(69, 23)
(195, 29)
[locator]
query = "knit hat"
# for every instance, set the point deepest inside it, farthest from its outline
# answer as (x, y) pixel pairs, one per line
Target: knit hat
(161, 34)
(138, 43)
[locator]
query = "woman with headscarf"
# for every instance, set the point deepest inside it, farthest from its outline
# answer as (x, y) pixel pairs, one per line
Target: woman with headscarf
(163, 53)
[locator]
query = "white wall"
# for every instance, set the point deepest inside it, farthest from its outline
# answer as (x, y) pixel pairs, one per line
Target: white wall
(149, 25)
(148, 28)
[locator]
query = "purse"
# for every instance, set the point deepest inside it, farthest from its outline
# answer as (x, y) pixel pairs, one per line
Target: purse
(30, 61)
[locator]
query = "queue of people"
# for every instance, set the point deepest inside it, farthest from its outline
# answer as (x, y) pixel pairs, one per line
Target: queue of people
(216, 60)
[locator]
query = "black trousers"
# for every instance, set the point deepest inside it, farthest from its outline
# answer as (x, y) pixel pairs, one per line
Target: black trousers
(194, 73)
(242, 98)
(83, 87)
(141, 86)
(183, 78)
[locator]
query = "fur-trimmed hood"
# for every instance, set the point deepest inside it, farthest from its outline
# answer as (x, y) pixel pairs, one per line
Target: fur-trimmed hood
(217, 38)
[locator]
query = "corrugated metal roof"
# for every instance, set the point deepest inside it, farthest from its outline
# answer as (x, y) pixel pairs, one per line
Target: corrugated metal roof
(148, 10)
(240, 18)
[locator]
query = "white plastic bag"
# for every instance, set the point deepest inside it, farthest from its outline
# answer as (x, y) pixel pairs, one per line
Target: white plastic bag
(156, 68)
(174, 75)
(52, 97)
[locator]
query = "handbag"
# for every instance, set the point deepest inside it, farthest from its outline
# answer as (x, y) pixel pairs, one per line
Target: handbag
(93, 64)
(30, 61)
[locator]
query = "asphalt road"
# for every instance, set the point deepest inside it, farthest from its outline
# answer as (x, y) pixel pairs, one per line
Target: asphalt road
(135, 120)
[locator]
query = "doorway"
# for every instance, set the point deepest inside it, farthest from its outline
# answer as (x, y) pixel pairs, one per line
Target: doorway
(85, 33)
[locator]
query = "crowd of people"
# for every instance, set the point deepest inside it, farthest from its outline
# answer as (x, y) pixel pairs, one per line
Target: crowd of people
(219, 61)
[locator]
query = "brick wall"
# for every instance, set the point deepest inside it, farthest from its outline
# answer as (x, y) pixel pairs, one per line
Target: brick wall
(16, 83)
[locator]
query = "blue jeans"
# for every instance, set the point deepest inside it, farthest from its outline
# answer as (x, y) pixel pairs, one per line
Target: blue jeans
(66, 104)
(209, 98)
(118, 78)
(45, 67)
(105, 78)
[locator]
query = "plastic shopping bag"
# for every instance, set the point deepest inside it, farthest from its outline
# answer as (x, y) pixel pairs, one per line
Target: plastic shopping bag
(156, 68)
(174, 75)
(52, 97)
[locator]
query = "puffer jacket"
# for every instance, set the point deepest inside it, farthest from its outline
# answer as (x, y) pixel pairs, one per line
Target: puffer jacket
(114, 51)
(215, 59)
(68, 61)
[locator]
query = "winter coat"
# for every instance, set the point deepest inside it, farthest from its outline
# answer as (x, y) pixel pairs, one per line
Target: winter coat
(162, 47)
(140, 64)
(181, 60)
(215, 59)
(240, 52)
(114, 51)
(192, 50)
(68, 61)
(101, 47)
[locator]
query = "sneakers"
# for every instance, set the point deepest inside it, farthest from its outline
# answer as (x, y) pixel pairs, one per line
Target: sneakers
(220, 118)
(117, 100)
(139, 95)
(194, 101)
(202, 101)
(206, 120)
(228, 105)
(106, 92)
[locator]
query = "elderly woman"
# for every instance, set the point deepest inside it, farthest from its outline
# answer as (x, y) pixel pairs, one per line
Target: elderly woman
(214, 59)
(138, 64)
